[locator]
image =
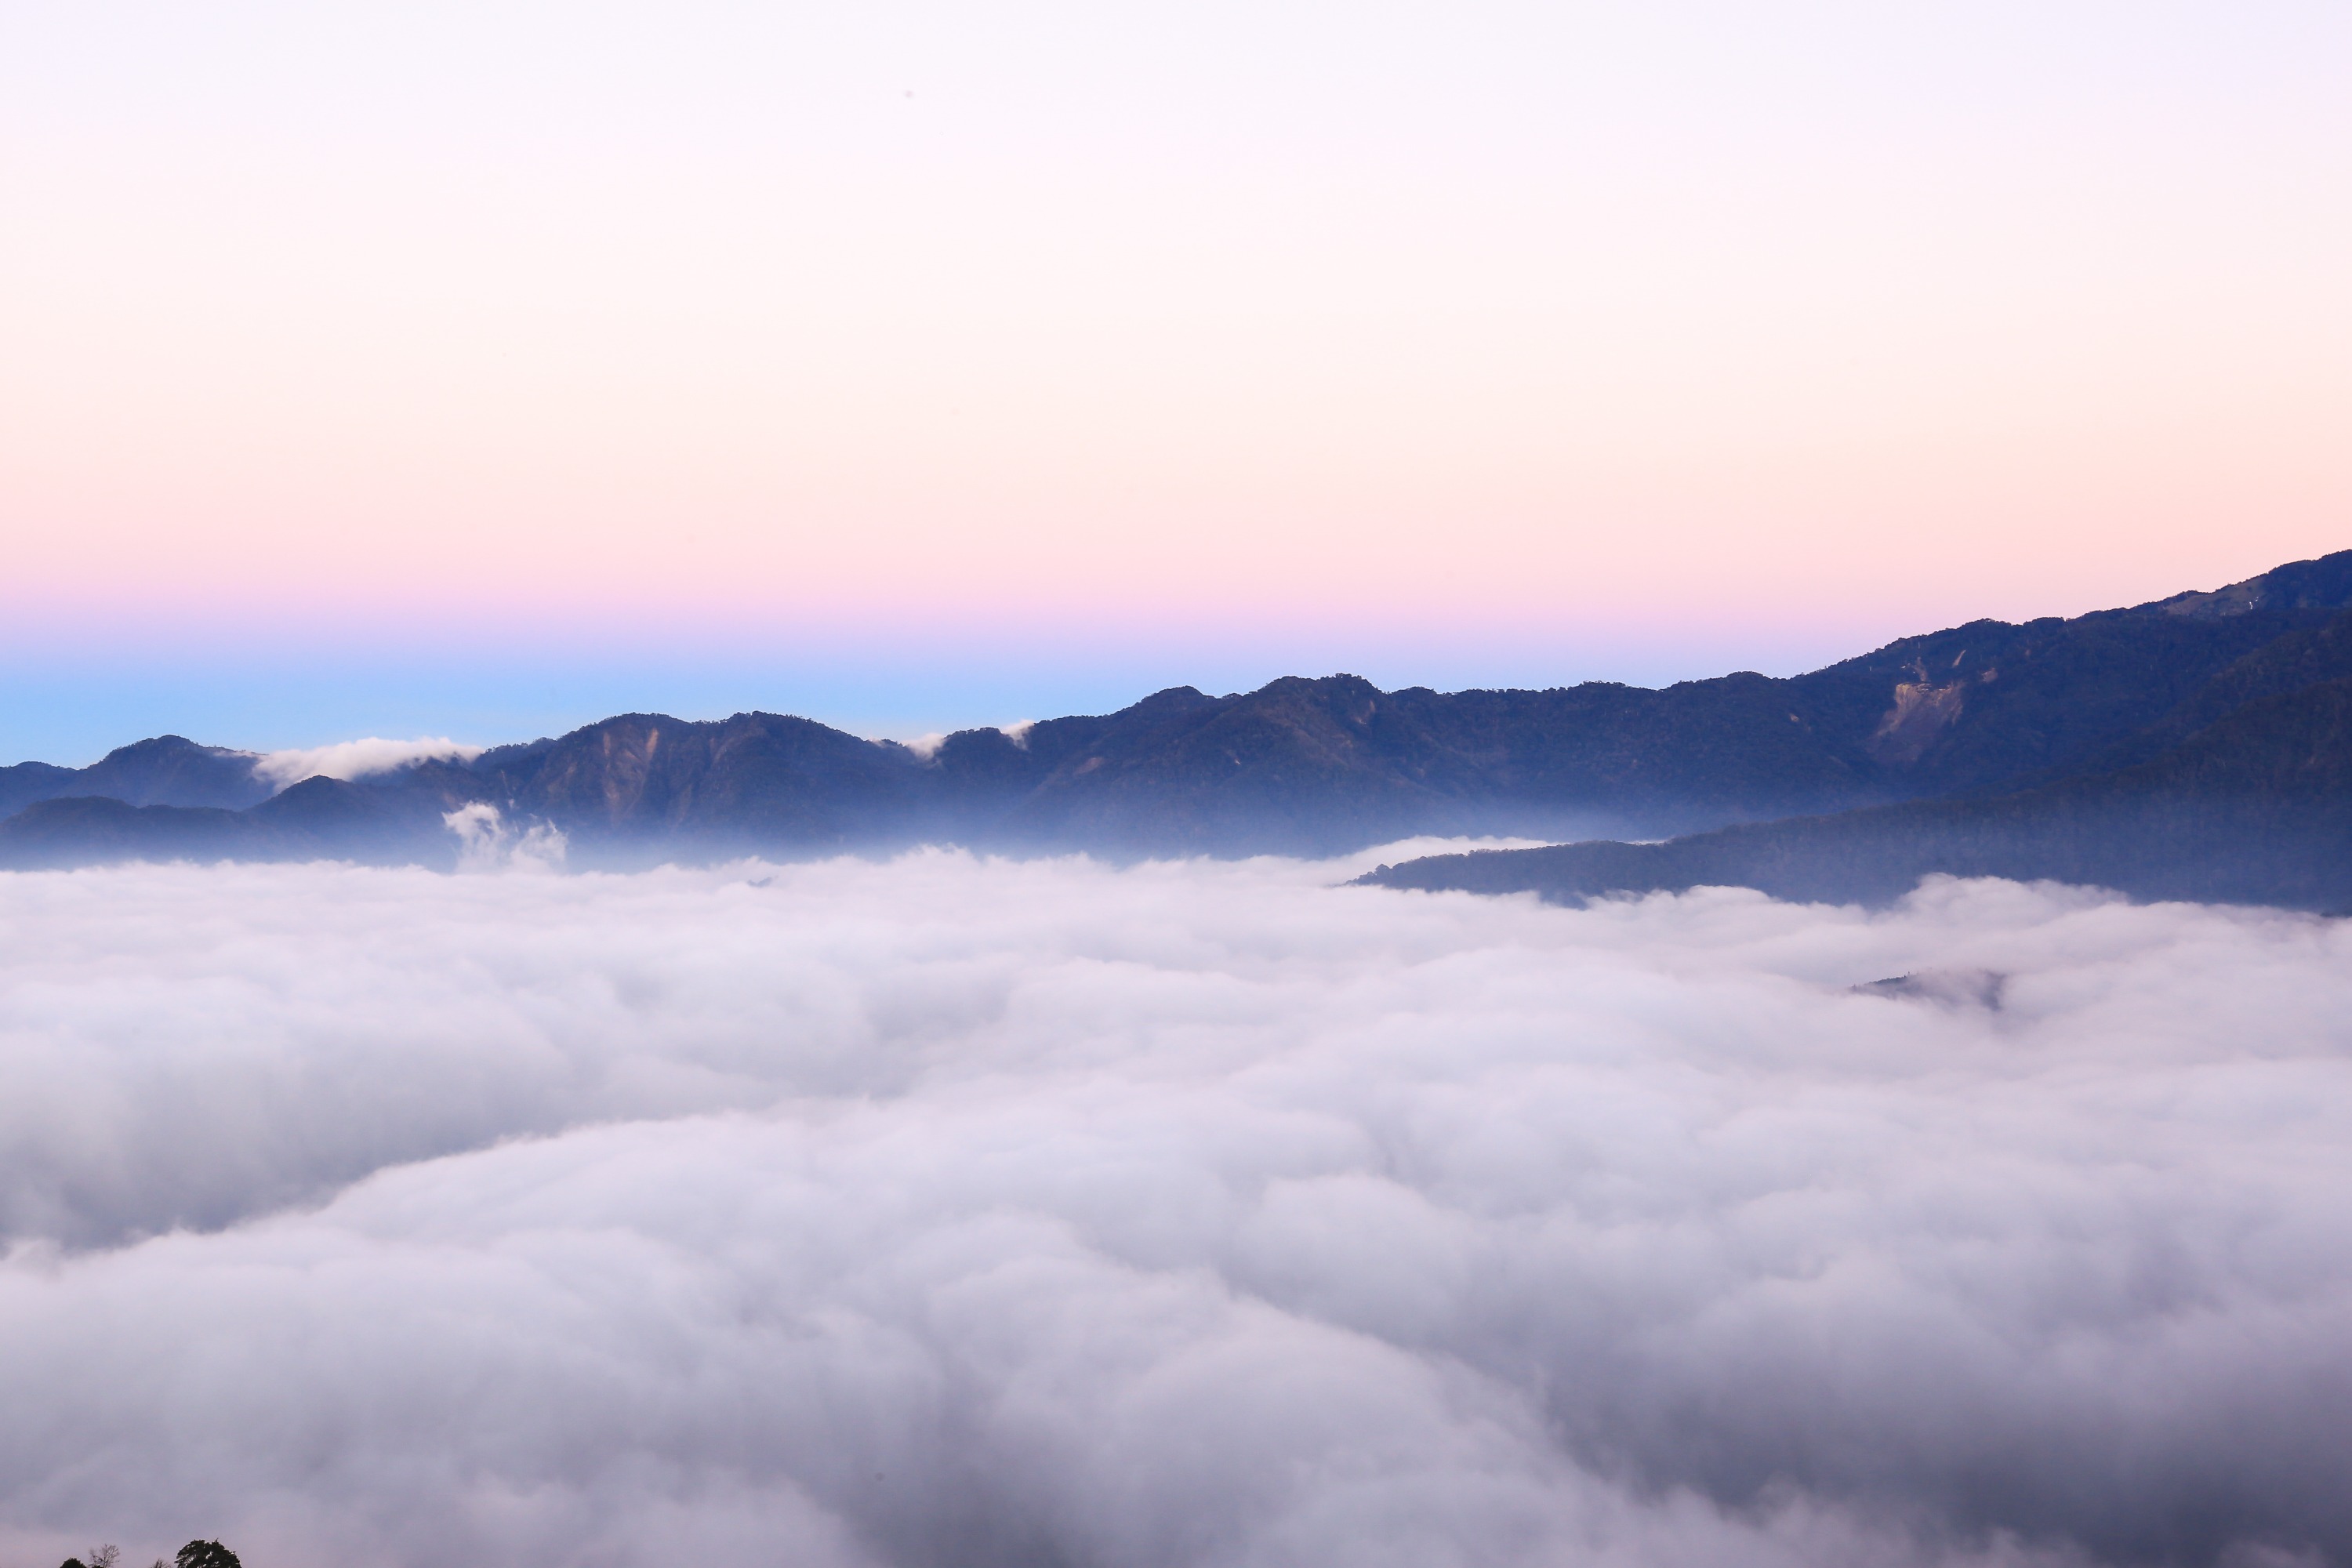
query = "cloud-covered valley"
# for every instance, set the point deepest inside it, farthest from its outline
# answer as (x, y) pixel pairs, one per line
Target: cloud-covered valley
(950, 1211)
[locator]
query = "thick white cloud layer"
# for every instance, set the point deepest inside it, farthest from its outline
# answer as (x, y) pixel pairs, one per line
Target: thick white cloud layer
(952, 1212)
(357, 759)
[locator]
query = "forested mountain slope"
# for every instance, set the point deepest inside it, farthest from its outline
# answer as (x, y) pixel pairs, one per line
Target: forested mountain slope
(2255, 807)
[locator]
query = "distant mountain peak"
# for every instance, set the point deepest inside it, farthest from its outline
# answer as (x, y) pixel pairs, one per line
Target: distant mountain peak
(2323, 583)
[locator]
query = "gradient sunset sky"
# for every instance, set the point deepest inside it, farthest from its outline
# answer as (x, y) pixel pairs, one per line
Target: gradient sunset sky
(485, 369)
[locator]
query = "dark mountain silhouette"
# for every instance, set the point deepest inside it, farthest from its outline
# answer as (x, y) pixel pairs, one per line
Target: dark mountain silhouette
(1977, 713)
(169, 770)
(2287, 664)
(80, 830)
(320, 818)
(25, 782)
(2255, 808)
(748, 781)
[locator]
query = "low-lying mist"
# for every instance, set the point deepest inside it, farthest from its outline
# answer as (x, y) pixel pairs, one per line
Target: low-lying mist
(956, 1212)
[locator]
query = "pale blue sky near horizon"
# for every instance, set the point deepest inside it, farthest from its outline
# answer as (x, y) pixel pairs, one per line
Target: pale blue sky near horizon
(72, 706)
(73, 712)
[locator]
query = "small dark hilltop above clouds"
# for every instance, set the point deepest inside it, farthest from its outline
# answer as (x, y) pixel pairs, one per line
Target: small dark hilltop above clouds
(2200, 746)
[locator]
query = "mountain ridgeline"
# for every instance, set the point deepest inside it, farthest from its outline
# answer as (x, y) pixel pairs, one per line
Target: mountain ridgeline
(2195, 746)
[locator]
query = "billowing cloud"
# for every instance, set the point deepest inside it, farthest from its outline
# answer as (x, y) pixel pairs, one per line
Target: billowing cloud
(357, 759)
(487, 841)
(957, 1212)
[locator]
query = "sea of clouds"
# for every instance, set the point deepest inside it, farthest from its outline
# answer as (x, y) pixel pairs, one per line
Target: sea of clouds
(957, 1212)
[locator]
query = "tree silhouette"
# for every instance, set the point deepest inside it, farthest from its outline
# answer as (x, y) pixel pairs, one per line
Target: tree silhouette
(205, 1554)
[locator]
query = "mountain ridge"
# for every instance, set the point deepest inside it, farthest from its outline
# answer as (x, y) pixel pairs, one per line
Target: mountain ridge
(2255, 808)
(1301, 765)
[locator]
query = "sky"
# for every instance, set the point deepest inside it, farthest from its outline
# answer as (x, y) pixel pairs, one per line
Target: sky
(482, 370)
(950, 1212)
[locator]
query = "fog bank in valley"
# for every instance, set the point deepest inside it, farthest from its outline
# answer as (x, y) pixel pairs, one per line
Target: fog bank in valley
(950, 1212)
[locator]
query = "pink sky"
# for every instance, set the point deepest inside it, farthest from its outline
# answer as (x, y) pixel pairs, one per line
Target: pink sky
(1539, 330)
